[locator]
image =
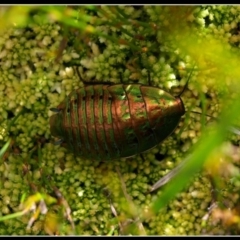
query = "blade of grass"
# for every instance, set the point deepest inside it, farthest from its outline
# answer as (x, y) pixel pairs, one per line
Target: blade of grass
(5, 147)
(207, 144)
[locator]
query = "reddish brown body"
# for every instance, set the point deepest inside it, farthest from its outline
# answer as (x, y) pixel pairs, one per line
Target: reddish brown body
(111, 121)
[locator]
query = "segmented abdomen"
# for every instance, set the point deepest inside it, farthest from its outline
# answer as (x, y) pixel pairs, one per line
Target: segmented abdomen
(111, 121)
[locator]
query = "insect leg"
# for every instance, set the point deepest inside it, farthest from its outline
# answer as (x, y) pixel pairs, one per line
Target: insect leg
(86, 83)
(80, 77)
(78, 73)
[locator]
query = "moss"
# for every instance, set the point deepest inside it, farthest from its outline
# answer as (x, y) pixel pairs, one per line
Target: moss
(32, 79)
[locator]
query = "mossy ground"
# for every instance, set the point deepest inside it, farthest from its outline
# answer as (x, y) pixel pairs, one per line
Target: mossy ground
(38, 60)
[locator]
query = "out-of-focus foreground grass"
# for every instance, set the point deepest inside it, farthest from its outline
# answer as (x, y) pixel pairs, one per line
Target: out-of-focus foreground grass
(40, 49)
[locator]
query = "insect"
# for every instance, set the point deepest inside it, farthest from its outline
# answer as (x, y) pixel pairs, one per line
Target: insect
(108, 122)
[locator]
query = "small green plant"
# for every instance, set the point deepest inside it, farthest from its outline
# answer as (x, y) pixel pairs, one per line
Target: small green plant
(41, 49)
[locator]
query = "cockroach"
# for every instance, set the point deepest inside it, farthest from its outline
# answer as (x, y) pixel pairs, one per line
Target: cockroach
(107, 122)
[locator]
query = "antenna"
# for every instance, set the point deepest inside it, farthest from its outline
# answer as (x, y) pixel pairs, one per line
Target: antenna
(184, 88)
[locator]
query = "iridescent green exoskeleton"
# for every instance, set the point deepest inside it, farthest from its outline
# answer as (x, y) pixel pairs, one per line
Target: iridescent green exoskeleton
(104, 122)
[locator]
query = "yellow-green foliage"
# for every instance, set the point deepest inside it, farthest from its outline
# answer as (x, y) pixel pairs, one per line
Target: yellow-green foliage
(40, 50)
